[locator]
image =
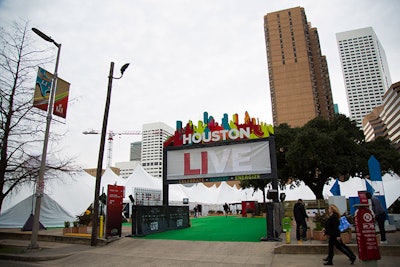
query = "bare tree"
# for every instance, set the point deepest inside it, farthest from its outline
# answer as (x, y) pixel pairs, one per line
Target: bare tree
(22, 126)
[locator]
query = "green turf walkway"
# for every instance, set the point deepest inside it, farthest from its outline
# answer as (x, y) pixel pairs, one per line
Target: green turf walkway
(218, 228)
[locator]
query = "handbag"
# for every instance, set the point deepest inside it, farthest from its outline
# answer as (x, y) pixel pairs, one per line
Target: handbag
(344, 224)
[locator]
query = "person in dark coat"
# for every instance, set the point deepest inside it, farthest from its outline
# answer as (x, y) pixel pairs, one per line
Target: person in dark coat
(333, 233)
(226, 209)
(195, 211)
(380, 215)
(300, 216)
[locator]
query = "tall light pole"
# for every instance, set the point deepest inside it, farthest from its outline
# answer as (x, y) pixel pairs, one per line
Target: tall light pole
(40, 181)
(95, 217)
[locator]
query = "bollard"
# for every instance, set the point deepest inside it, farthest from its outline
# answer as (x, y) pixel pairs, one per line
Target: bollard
(101, 226)
(287, 237)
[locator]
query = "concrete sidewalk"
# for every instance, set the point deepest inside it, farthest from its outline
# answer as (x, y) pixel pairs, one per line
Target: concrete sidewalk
(127, 251)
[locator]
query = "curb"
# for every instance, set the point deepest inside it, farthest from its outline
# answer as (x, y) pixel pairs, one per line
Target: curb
(19, 257)
(55, 238)
(385, 250)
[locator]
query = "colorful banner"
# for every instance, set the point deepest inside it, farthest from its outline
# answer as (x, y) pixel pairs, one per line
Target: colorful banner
(210, 131)
(42, 93)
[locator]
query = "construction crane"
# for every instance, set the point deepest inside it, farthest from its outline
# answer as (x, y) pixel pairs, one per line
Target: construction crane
(111, 135)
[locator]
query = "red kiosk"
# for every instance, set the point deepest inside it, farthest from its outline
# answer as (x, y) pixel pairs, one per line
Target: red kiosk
(247, 206)
(368, 249)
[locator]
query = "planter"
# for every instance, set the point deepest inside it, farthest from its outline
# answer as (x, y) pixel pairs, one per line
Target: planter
(67, 230)
(82, 229)
(78, 230)
(319, 235)
(308, 235)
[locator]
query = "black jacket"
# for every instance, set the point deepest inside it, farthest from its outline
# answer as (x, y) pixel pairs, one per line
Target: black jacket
(299, 212)
(332, 226)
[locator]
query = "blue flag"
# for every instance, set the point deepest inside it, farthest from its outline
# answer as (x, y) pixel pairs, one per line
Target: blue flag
(374, 169)
(335, 189)
(369, 187)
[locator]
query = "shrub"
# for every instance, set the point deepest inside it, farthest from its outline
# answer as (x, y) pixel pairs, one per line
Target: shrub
(320, 220)
(85, 218)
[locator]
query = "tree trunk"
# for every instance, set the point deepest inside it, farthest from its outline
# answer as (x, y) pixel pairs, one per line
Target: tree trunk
(317, 189)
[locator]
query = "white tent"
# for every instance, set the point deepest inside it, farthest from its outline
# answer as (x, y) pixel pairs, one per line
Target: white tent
(68, 197)
(302, 191)
(389, 187)
(140, 179)
(227, 194)
(391, 191)
(110, 178)
(200, 193)
(64, 198)
(176, 194)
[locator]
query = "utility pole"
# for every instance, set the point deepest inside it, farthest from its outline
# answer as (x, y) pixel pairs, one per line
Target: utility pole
(95, 217)
(40, 181)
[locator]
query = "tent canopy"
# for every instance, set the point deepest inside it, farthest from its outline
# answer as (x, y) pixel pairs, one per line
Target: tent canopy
(68, 196)
(64, 198)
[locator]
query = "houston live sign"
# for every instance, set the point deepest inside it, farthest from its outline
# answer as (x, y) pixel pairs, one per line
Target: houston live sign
(216, 136)
(210, 151)
(233, 159)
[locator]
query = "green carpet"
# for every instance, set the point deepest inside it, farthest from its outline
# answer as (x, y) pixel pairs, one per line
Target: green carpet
(218, 228)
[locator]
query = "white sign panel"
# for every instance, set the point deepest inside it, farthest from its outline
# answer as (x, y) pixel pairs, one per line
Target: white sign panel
(219, 161)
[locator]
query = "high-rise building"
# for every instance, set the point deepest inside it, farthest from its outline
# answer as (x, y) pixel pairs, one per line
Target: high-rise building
(136, 150)
(384, 120)
(298, 72)
(365, 71)
(153, 137)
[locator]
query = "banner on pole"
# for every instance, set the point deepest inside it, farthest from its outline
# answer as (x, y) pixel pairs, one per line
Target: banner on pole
(42, 93)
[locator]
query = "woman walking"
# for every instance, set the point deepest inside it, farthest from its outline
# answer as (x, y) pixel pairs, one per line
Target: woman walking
(332, 231)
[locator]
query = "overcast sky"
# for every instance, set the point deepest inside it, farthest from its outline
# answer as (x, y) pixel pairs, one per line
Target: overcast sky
(186, 57)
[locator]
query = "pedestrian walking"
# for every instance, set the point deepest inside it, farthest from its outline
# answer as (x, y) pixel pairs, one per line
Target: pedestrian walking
(333, 233)
(226, 209)
(380, 215)
(195, 211)
(300, 216)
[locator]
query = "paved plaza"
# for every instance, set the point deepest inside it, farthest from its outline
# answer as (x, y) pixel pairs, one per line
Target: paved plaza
(128, 251)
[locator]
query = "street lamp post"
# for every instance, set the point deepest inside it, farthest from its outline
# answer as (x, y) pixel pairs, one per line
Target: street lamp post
(95, 217)
(40, 181)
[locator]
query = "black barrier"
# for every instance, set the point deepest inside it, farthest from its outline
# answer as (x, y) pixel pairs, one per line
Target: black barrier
(275, 212)
(153, 219)
(178, 217)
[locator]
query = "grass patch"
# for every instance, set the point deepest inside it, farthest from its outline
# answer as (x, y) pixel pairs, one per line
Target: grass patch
(218, 228)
